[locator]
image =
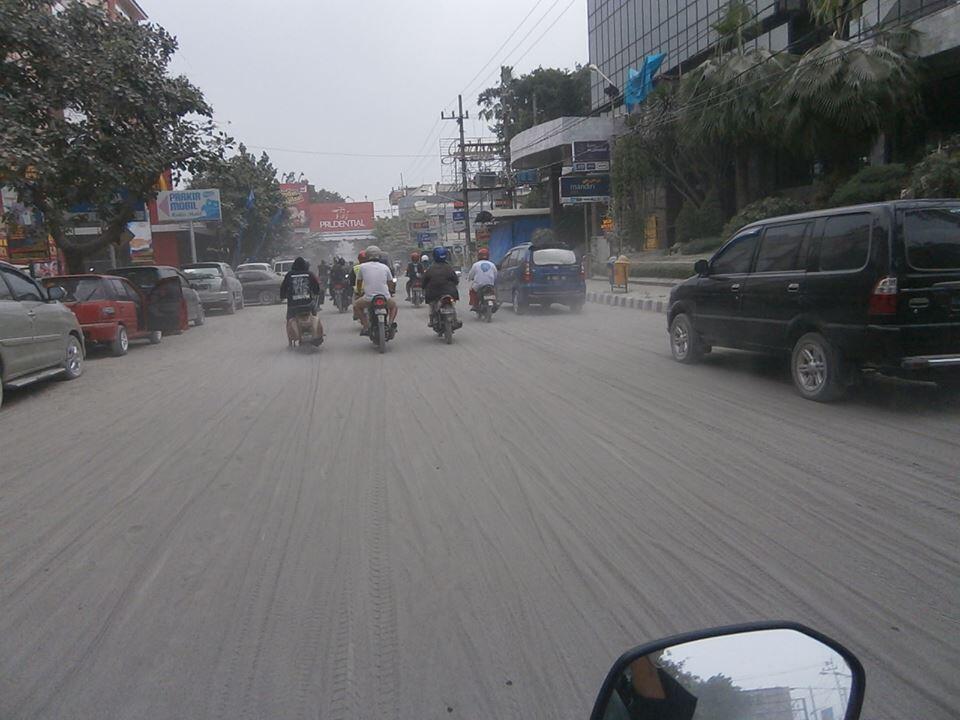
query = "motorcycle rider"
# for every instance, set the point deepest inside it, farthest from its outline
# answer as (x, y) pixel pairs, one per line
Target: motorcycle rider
(301, 288)
(415, 269)
(354, 276)
(338, 275)
(482, 273)
(375, 278)
(440, 279)
(323, 275)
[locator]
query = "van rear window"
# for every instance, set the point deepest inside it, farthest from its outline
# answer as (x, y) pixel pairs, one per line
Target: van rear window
(554, 256)
(932, 238)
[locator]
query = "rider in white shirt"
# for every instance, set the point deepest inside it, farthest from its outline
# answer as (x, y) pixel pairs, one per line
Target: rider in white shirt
(482, 273)
(375, 278)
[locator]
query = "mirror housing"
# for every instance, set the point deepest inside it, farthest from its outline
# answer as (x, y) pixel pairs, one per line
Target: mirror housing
(701, 268)
(56, 293)
(702, 672)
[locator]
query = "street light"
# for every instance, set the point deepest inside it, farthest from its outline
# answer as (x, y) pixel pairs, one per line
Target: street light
(611, 90)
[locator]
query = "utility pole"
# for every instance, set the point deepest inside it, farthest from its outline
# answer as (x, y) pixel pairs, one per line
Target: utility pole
(460, 117)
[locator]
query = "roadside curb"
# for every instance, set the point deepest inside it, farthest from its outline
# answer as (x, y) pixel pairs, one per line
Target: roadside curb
(649, 304)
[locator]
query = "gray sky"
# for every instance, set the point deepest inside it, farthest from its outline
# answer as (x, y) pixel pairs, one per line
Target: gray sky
(359, 76)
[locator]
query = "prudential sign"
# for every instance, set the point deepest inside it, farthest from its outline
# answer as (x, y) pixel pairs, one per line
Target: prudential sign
(180, 205)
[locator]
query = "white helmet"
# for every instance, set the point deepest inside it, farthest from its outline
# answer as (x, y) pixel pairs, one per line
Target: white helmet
(424, 258)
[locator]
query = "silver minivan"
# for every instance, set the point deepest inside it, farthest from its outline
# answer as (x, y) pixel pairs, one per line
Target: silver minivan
(40, 337)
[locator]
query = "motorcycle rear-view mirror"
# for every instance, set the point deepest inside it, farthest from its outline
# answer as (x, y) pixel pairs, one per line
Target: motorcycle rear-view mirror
(761, 670)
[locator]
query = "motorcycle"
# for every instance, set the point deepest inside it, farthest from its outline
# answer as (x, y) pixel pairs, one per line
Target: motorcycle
(741, 671)
(444, 318)
(416, 291)
(486, 303)
(341, 296)
(381, 329)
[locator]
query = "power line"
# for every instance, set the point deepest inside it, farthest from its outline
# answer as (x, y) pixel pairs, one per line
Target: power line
(330, 153)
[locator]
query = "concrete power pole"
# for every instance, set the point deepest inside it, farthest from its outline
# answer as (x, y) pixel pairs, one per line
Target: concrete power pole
(460, 117)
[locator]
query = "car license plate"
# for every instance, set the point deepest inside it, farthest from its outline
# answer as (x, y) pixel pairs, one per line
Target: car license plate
(554, 277)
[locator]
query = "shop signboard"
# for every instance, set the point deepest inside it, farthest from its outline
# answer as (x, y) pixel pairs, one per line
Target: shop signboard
(591, 156)
(577, 189)
(188, 205)
(296, 197)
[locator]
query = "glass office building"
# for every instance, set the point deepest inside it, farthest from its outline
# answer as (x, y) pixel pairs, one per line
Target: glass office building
(622, 32)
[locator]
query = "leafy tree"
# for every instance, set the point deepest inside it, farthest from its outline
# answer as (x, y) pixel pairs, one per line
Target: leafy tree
(258, 227)
(90, 116)
(761, 210)
(393, 236)
(938, 174)
(872, 184)
(325, 196)
(551, 92)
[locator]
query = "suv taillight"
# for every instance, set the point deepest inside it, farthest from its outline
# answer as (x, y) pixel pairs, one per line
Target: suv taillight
(527, 272)
(583, 271)
(883, 300)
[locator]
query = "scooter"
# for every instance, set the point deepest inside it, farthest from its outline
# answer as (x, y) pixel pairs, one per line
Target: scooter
(381, 330)
(443, 318)
(753, 670)
(301, 330)
(486, 303)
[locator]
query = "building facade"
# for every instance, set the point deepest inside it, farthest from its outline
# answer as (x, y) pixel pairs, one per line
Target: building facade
(622, 32)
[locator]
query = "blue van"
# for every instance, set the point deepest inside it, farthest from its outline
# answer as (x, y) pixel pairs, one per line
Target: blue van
(541, 275)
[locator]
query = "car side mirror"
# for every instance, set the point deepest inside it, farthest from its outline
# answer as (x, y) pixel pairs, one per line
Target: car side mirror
(56, 293)
(701, 268)
(728, 672)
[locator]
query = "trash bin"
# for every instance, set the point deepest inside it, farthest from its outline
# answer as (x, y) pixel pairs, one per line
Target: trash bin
(621, 273)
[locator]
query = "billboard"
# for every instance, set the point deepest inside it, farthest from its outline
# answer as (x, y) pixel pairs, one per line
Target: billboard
(576, 189)
(181, 205)
(341, 217)
(296, 196)
(141, 242)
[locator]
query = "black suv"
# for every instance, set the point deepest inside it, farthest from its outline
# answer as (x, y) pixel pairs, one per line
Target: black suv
(865, 287)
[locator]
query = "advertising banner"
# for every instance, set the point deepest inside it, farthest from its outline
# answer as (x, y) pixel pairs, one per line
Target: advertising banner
(296, 196)
(183, 205)
(418, 225)
(584, 189)
(141, 242)
(25, 236)
(341, 217)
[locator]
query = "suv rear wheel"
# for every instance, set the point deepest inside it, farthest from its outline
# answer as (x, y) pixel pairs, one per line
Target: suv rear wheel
(817, 368)
(685, 346)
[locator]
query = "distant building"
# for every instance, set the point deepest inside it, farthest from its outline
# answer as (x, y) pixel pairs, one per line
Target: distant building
(772, 703)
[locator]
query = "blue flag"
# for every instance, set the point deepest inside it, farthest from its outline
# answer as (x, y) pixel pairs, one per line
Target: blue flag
(640, 83)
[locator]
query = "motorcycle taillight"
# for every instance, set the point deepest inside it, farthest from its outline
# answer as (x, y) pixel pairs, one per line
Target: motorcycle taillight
(380, 301)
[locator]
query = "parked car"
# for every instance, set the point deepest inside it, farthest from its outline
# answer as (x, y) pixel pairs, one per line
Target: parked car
(173, 292)
(112, 311)
(39, 337)
(873, 287)
(541, 275)
(260, 286)
(217, 284)
(255, 266)
(282, 267)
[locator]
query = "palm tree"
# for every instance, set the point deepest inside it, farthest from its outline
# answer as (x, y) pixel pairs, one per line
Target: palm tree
(843, 93)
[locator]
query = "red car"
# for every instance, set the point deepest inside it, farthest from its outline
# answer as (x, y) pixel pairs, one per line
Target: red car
(112, 311)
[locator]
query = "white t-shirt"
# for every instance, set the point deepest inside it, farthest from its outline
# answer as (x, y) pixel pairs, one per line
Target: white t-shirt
(482, 273)
(375, 276)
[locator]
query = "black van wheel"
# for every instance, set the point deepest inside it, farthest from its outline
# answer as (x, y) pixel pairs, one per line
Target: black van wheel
(817, 368)
(685, 346)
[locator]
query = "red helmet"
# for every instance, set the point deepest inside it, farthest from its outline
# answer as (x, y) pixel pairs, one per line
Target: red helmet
(361, 256)
(483, 254)
(415, 256)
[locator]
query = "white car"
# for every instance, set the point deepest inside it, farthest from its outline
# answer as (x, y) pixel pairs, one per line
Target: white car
(255, 266)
